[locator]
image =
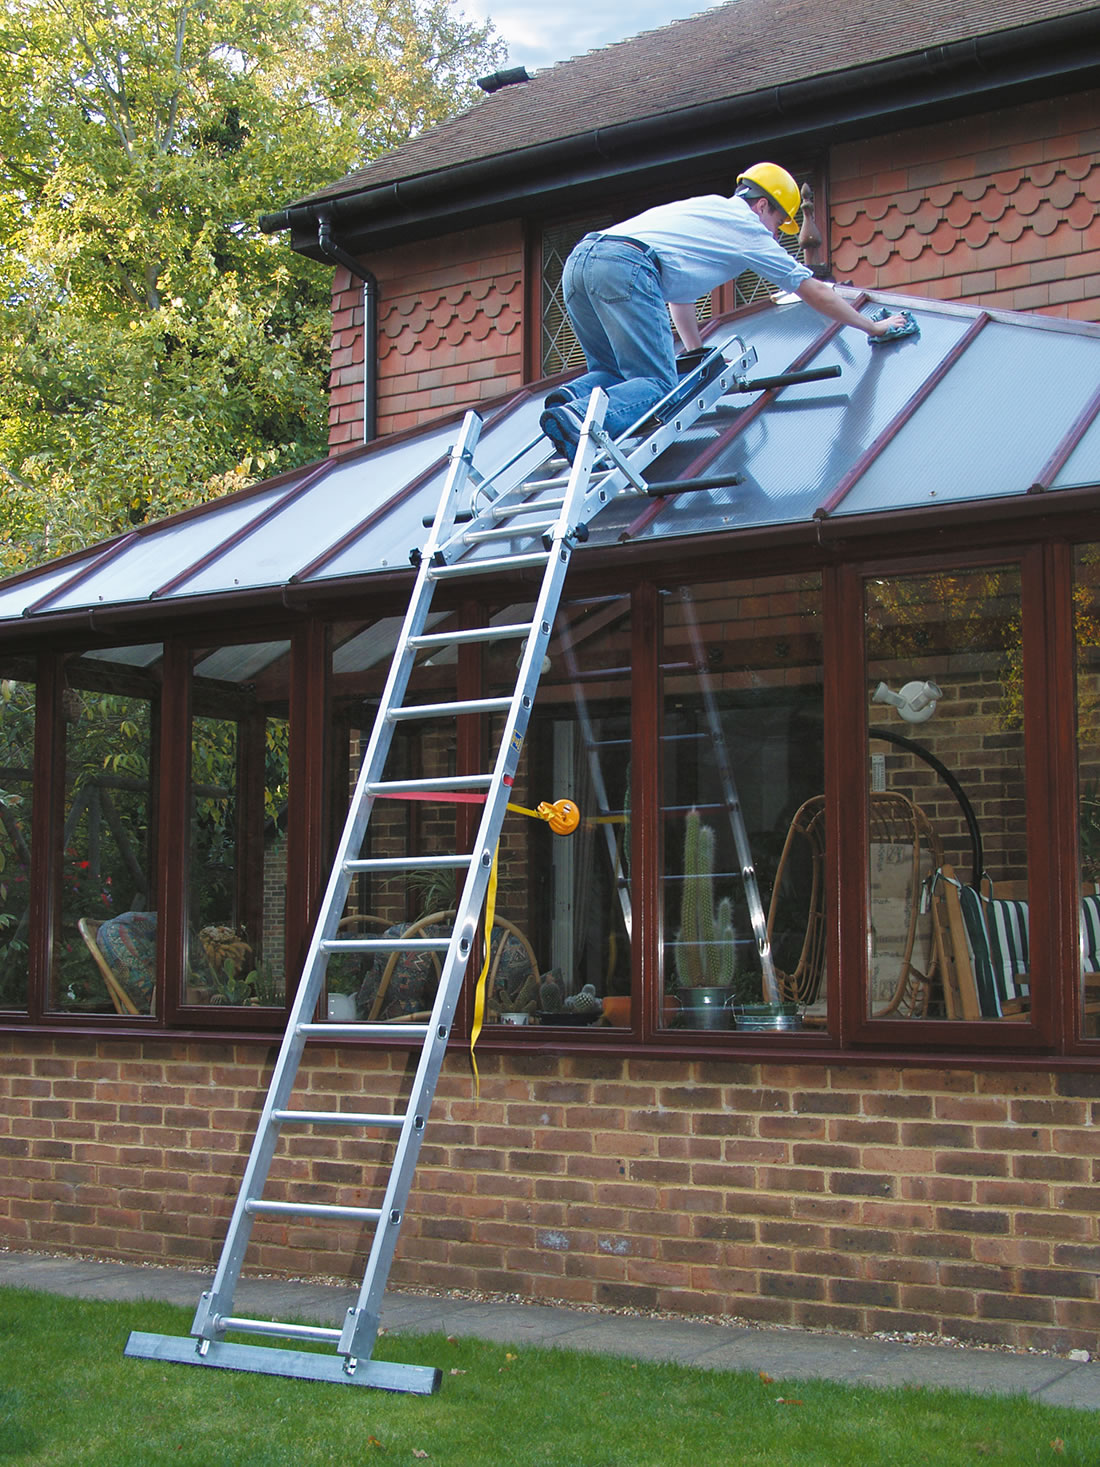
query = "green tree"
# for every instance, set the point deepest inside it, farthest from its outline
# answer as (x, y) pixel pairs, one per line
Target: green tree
(155, 348)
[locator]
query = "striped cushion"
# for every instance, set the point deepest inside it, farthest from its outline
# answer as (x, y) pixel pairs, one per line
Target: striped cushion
(1090, 934)
(977, 942)
(1007, 924)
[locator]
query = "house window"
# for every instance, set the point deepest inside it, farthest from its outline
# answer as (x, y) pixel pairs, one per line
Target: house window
(408, 901)
(741, 754)
(947, 911)
(236, 846)
(561, 350)
(572, 893)
(1086, 625)
(104, 943)
(17, 722)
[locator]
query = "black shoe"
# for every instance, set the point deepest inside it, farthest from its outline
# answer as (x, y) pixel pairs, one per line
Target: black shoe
(559, 396)
(563, 428)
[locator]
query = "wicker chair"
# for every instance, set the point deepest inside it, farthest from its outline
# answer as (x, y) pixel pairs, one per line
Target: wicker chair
(905, 853)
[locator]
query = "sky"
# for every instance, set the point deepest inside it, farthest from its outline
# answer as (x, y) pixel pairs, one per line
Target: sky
(540, 32)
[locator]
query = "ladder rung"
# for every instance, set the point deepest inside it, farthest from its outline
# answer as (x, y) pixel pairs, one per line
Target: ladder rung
(534, 506)
(385, 944)
(359, 1031)
(476, 634)
(455, 782)
(408, 863)
(276, 1327)
(509, 532)
(338, 1118)
(449, 710)
(258, 1206)
(475, 567)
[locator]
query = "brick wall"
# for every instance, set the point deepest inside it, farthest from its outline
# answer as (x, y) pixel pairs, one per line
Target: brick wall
(880, 1198)
(450, 331)
(1000, 210)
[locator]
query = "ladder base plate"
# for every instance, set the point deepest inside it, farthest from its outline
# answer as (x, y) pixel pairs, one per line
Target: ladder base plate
(417, 1380)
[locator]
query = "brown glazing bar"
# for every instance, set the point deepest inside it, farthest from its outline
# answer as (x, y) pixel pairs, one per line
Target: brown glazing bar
(1060, 457)
(869, 454)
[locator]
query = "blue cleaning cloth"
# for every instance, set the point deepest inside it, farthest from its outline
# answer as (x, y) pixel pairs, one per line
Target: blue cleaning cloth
(895, 333)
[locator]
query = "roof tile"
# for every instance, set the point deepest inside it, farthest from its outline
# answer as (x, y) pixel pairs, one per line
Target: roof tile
(750, 46)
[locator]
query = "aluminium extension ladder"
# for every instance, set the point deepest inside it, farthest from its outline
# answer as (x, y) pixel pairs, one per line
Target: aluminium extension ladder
(537, 522)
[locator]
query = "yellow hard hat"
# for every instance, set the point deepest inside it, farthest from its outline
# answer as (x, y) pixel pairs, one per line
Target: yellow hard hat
(780, 188)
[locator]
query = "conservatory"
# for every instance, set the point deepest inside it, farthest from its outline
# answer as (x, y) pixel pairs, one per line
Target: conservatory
(874, 658)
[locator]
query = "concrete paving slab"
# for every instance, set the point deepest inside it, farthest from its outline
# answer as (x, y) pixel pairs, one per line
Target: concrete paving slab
(785, 1355)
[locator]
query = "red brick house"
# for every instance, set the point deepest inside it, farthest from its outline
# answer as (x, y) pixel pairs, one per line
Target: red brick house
(182, 708)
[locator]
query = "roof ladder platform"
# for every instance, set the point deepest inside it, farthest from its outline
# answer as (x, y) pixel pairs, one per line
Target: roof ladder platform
(505, 534)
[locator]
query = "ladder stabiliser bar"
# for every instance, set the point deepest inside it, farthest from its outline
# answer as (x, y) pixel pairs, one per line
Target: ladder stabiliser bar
(417, 1380)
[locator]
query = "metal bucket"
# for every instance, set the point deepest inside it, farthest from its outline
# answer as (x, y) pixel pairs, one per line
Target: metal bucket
(769, 1018)
(705, 1008)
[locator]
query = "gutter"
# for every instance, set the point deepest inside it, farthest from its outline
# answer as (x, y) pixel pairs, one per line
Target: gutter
(939, 81)
(339, 256)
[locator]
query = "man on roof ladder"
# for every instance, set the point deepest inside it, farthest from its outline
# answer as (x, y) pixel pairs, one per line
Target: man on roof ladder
(620, 284)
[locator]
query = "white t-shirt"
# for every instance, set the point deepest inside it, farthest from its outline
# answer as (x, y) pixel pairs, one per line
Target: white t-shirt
(704, 241)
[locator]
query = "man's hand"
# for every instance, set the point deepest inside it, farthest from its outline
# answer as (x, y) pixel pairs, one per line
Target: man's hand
(880, 328)
(824, 298)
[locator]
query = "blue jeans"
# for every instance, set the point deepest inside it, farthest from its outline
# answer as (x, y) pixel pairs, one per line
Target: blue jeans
(613, 295)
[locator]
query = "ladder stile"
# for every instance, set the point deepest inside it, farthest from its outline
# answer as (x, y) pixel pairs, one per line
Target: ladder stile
(473, 511)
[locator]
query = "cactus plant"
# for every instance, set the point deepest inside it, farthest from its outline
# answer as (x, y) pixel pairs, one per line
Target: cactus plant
(705, 954)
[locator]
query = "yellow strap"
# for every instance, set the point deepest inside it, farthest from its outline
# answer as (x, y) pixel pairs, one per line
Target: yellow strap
(479, 991)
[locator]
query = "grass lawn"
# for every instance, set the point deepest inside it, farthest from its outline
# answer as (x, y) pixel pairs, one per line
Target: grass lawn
(68, 1395)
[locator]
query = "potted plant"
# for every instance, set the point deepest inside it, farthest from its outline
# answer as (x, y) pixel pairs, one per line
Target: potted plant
(343, 978)
(705, 951)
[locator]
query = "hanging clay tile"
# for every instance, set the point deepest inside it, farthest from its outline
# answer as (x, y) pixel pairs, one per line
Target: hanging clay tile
(993, 207)
(976, 232)
(878, 251)
(1062, 191)
(1011, 227)
(1026, 199)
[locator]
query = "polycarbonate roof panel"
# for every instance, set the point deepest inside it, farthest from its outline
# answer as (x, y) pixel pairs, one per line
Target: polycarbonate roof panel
(127, 656)
(991, 425)
(239, 662)
(509, 448)
(791, 455)
(14, 599)
(151, 561)
(973, 408)
(308, 524)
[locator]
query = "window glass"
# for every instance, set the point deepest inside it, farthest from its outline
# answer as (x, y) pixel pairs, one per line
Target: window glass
(104, 948)
(395, 983)
(947, 899)
(1086, 620)
(17, 719)
(236, 849)
(741, 755)
(569, 894)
